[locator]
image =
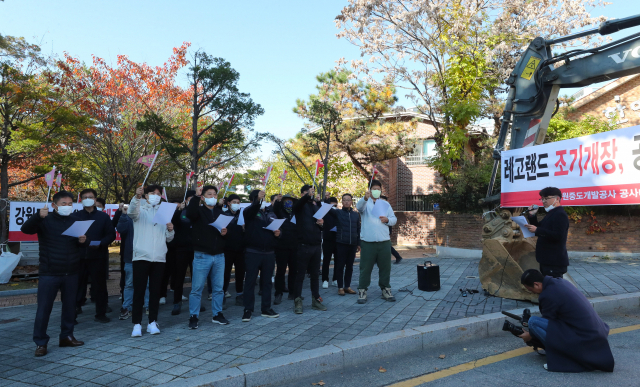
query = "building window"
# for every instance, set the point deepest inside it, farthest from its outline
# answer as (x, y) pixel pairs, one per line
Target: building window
(423, 151)
(417, 203)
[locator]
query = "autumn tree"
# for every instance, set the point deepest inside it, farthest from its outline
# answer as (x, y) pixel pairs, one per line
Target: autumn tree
(221, 119)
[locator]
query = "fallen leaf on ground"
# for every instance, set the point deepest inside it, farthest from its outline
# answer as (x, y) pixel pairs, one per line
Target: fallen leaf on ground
(320, 383)
(464, 349)
(382, 370)
(442, 356)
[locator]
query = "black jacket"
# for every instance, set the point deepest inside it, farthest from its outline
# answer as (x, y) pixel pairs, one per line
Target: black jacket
(309, 232)
(235, 234)
(348, 225)
(329, 223)
(114, 222)
(552, 230)
(182, 226)
(59, 254)
(256, 237)
(101, 230)
(288, 239)
(205, 238)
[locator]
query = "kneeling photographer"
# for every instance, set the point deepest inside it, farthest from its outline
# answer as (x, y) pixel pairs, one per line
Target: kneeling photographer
(574, 336)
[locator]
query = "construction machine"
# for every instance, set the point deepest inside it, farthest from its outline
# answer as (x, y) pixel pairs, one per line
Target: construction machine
(532, 100)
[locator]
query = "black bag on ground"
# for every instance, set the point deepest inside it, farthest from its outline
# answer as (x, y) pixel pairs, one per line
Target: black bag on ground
(428, 277)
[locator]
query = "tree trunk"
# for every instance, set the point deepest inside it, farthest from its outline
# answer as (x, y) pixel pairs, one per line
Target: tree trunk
(4, 194)
(326, 166)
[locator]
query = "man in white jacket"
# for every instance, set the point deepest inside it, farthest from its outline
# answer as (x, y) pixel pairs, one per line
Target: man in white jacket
(375, 243)
(149, 255)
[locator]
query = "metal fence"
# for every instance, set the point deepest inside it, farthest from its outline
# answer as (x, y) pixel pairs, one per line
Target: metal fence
(416, 160)
(417, 203)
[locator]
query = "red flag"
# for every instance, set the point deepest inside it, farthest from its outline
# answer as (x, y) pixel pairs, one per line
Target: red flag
(375, 170)
(59, 180)
(283, 177)
(79, 197)
(265, 178)
(189, 176)
(231, 180)
(164, 194)
(220, 185)
(318, 166)
(50, 177)
(147, 160)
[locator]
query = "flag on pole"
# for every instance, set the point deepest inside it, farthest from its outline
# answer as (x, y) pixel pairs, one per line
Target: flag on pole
(164, 194)
(283, 177)
(59, 180)
(229, 183)
(318, 166)
(373, 175)
(147, 160)
(265, 178)
(220, 185)
(186, 186)
(50, 177)
(189, 176)
(78, 197)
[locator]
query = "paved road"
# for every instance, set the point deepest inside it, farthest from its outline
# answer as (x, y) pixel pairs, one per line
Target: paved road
(523, 370)
(111, 357)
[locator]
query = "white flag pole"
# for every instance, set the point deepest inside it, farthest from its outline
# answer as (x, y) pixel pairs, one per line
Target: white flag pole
(49, 191)
(151, 166)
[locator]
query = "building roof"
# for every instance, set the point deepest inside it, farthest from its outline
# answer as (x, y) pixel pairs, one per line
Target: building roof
(603, 90)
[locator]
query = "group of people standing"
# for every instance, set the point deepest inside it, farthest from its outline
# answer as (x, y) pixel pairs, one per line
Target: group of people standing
(154, 255)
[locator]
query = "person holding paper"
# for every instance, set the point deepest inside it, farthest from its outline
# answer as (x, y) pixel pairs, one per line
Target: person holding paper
(234, 248)
(208, 257)
(149, 255)
(309, 244)
(328, 243)
(285, 249)
(60, 257)
(347, 243)
(259, 255)
(183, 251)
(552, 232)
(95, 257)
(375, 242)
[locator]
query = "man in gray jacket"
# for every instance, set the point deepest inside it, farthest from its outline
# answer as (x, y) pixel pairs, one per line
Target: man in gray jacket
(375, 243)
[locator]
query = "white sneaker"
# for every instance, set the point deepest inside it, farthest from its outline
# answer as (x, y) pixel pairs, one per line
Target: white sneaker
(184, 298)
(273, 280)
(335, 283)
(137, 331)
(153, 328)
(545, 367)
(209, 297)
(227, 295)
(325, 284)
(163, 300)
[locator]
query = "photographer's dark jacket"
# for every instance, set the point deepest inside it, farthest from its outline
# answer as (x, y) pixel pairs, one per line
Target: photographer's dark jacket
(59, 254)
(235, 234)
(347, 222)
(100, 230)
(576, 335)
(309, 232)
(256, 237)
(206, 239)
(182, 226)
(288, 239)
(552, 230)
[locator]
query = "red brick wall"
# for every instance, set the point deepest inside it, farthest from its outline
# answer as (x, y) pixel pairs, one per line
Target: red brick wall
(596, 103)
(465, 231)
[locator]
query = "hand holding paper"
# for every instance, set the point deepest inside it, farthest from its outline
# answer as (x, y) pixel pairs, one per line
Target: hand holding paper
(165, 213)
(522, 222)
(78, 228)
(323, 211)
(380, 208)
(275, 224)
(222, 222)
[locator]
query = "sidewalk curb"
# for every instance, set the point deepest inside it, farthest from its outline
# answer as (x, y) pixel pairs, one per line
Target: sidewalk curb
(288, 368)
(19, 292)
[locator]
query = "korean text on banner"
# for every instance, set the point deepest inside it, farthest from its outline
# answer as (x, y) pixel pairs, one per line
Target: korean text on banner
(595, 170)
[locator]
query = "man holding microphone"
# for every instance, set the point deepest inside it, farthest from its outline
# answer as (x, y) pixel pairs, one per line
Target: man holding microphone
(552, 230)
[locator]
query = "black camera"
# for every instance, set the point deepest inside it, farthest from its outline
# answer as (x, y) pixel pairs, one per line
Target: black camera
(517, 331)
(512, 328)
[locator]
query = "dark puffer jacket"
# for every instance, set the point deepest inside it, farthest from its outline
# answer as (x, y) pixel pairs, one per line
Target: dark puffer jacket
(309, 232)
(235, 233)
(348, 226)
(59, 254)
(256, 237)
(182, 226)
(288, 239)
(101, 230)
(205, 238)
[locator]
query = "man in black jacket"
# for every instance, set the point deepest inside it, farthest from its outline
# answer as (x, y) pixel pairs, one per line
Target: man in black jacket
(208, 259)
(234, 249)
(183, 251)
(100, 235)
(552, 230)
(259, 255)
(328, 244)
(59, 266)
(348, 226)
(285, 249)
(309, 245)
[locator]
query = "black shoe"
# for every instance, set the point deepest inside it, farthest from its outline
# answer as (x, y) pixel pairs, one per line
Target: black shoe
(260, 293)
(219, 318)
(75, 322)
(398, 260)
(193, 322)
(278, 299)
(292, 297)
(202, 308)
(124, 314)
(78, 310)
(246, 316)
(270, 313)
(224, 303)
(102, 319)
(285, 290)
(176, 309)
(109, 310)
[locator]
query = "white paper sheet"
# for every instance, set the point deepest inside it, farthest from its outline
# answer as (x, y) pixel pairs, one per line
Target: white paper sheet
(293, 219)
(326, 207)
(245, 205)
(78, 228)
(165, 213)
(241, 217)
(335, 229)
(94, 243)
(275, 224)
(521, 221)
(380, 208)
(222, 222)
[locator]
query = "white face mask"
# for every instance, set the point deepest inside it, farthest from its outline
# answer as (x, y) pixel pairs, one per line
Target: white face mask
(88, 202)
(264, 205)
(551, 207)
(65, 210)
(100, 209)
(154, 199)
(235, 207)
(211, 201)
(376, 193)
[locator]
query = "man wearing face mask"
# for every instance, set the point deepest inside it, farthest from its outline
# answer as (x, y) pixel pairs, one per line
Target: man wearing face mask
(183, 250)
(149, 255)
(60, 257)
(96, 256)
(375, 244)
(285, 249)
(552, 231)
(208, 260)
(234, 249)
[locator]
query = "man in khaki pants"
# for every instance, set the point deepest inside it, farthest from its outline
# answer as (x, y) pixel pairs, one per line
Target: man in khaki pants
(375, 243)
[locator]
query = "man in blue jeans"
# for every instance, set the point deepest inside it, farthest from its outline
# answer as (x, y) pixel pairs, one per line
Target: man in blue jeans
(574, 336)
(208, 257)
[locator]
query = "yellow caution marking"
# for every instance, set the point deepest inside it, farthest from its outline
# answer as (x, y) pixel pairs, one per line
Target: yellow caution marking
(485, 361)
(528, 71)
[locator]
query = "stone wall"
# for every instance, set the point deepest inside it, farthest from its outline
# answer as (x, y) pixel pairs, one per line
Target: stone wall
(465, 230)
